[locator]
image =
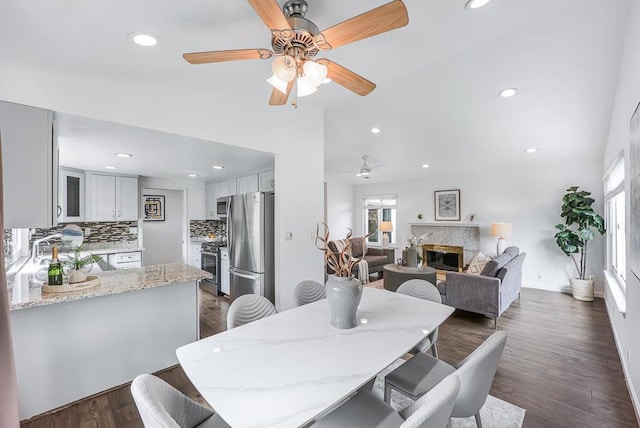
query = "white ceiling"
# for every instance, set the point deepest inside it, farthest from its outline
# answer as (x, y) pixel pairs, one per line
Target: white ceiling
(438, 78)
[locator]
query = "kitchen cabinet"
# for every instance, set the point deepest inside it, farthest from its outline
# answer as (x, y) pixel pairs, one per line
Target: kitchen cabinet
(267, 181)
(29, 166)
(194, 255)
(71, 195)
(247, 184)
(213, 192)
(113, 198)
(121, 260)
(227, 188)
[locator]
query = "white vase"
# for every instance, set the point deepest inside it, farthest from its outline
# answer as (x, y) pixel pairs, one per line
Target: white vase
(582, 289)
(343, 296)
(77, 275)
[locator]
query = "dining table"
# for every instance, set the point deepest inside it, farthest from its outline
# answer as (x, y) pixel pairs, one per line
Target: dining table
(291, 368)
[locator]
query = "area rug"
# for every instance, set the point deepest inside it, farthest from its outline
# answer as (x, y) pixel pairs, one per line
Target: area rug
(496, 413)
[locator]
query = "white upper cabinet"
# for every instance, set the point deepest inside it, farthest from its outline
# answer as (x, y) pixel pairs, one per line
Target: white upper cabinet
(29, 164)
(267, 181)
(247, 184)
(71, 195)
(213, 192)
(227, 188)
(113, 198)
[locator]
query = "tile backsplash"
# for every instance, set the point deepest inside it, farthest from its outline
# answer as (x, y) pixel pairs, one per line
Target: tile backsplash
(202, 228)
(101, 233)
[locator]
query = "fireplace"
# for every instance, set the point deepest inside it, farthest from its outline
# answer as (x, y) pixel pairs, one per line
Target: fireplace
(443, 257)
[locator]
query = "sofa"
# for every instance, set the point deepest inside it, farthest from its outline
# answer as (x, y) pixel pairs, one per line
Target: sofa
(492, 291)
(376, 257)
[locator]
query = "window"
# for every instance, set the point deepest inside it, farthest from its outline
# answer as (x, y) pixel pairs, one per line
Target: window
(615, 221)
(374, 210)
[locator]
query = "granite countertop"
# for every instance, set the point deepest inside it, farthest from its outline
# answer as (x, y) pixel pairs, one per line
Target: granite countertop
(25, 291)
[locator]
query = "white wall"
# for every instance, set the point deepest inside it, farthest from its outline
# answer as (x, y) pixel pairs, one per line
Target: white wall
(626, 329)
(165, 241)
(340, 207)
(299, 181)
(527, 195)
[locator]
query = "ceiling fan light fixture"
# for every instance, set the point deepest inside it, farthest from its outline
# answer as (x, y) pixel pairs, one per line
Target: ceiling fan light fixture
(475, 4)
(305, 86)
(284, 68)
(280, 85)
(315, 72)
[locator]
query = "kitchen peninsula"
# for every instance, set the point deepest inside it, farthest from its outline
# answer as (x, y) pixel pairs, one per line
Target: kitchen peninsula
(72, 345)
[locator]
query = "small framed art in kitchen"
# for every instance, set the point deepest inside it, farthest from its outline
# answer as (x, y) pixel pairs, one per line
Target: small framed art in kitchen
(153, 206)
(447, 205)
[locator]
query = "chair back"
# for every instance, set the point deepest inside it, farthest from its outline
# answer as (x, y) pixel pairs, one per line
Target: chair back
(433, 410)
(308, 292)
(248, 308)
(422, 290)
(162, 406)
(476, 373)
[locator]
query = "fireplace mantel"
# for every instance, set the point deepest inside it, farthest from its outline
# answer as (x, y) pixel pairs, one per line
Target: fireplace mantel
(448, 224)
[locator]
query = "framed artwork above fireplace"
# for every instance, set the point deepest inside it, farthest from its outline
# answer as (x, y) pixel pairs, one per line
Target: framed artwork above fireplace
(447, 205)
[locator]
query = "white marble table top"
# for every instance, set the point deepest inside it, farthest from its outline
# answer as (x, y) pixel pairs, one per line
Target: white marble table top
(288, 369)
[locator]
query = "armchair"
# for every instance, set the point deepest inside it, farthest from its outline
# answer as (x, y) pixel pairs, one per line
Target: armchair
(376, 258)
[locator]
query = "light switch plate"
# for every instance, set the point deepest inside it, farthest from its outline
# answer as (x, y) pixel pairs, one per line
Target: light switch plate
(288, 236)
(133, 230)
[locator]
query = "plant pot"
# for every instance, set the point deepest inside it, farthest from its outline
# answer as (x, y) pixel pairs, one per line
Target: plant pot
(343, 295)
(77, 275)
(582, 289)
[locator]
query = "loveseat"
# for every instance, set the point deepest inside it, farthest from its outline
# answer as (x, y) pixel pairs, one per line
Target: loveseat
(490, 293)
(376, 257)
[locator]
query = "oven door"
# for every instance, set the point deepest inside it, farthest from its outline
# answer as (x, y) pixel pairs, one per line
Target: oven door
(209, 263)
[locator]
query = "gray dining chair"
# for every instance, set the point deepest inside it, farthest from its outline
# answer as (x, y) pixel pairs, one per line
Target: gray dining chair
(365, 410)
(476, 372)
(248, 308)
(162, 406)
(308, 292)
(423, 290)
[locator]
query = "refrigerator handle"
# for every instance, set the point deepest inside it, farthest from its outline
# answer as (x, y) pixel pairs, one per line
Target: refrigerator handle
(230, 226)
(232, 271)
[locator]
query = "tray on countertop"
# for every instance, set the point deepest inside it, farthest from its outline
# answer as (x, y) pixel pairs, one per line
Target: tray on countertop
(92, 281)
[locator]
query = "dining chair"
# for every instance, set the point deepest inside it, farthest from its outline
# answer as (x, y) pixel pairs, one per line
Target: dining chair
(365, 410)
(423, 290)
(308, 292)
(476, 372)
(162, 406)
(248, 308)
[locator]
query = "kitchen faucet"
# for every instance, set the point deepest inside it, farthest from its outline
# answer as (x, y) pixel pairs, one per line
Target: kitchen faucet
(36, 244)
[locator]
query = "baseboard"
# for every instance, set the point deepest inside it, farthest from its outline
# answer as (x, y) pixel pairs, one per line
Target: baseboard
(634, 397)
(566, 289)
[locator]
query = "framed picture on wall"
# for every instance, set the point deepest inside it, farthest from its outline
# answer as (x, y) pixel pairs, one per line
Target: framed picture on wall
(447, 205)
(153, 206)
(634, 184)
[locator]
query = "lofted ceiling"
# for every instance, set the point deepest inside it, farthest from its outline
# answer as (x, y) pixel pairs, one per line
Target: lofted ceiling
(438, 78)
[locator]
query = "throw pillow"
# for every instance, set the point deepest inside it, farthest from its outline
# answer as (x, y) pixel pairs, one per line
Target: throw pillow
(478, 263)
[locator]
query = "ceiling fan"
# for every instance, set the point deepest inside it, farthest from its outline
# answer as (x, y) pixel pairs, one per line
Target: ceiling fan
(364, 171)
(295, 41)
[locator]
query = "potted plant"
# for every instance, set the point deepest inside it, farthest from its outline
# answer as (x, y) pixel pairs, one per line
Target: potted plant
(580, 224)
(80, 266)
(419, 216)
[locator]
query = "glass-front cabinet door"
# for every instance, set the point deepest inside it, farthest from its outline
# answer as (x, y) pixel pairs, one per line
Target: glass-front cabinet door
(72, 195)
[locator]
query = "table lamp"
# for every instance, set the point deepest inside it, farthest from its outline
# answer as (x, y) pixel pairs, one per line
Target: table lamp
(385, 227)
(501, 230)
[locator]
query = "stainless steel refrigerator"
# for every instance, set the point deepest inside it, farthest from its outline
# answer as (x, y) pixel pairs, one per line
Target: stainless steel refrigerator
(250, 241)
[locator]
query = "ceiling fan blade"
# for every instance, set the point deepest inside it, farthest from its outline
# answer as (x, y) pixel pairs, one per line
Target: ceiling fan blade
(230, 55)
(376, 21)
(271, 14)
(347, 78)
(278, 98)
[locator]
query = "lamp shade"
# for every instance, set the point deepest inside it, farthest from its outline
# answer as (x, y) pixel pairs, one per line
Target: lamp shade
(502, 230)
(385, 226)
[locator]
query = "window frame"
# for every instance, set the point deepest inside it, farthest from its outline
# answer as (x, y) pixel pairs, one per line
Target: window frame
(614, 207)
(380, 207)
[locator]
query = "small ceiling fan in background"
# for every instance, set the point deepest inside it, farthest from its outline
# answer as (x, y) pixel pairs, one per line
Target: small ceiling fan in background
(364, 171)
(295, 41)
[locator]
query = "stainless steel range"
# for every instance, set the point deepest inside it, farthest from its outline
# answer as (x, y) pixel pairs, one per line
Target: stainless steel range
(210, 261)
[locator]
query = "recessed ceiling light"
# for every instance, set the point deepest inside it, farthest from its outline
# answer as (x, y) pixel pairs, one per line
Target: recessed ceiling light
(218, 167)
(110, 167)
(508, 92)
(425, 165)
(531, 150)
(375, 130)
(474, 4)
(144, 39)
(193, 175)
(123, 155)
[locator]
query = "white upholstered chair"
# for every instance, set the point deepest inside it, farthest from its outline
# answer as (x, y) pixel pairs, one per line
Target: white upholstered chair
(423, 290)
(162, 406)
(476, 372)
(365, 410)
(308, 292)
(248, 308)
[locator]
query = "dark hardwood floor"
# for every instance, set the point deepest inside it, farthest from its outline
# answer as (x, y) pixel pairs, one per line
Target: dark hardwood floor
(560, 364)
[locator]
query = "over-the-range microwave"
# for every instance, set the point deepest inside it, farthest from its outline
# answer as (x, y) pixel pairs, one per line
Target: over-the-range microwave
(221, 206)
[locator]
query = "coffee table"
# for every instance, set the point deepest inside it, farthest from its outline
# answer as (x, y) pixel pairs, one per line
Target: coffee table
(395, 275)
